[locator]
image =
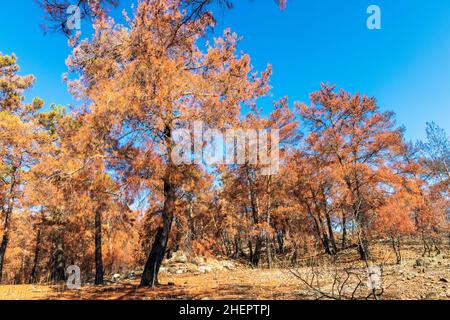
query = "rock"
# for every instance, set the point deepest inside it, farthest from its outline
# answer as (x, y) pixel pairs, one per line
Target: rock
(172, 270)
(201, 270)
(218, 267)
(443, 280)
(199, 261)
(205, 269)
(163, 270)
(179, 257)
(116, 277)
(180, 271)
(229, 266)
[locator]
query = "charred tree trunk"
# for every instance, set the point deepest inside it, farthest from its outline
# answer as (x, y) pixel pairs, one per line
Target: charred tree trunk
(321, 231)
(5, 241)
(58, 261)
(227, 244)
(267, 236)
(344, 232)
(3, 247)
(237, 246)
(6, 226)
(192, 235)
(250, 249)
(269, 252)
(294, 257)
(257, 252)
(151, 270)
(333, 246)
(98, 247)
(332, 242)
(150, 275)
(324, 237)
(280, 240)
(363, 249)
(37, 252)
(396, 247)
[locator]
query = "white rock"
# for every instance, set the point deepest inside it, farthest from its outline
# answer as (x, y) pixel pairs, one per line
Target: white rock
(229, 266)
(205, 269)
(179, 257)
(163, 270)
(199, 261)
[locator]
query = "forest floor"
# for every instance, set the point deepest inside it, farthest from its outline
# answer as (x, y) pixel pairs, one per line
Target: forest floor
(414, 279)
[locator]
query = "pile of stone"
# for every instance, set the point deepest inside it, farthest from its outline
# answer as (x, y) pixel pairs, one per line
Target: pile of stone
(181, 264)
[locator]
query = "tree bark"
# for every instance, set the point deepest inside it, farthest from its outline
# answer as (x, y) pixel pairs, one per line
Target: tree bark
(344, 231)
(332, 245)
(331, 233)
(280, 240)
(257, 253)
(237, 246)
(58, 261)
(98, 247)
(269, 204)
(397, 249)
(6, 225)
(363, 249)
(37, 251)
(151, 270)
(4, 244)
(250, 249)
(150, 275)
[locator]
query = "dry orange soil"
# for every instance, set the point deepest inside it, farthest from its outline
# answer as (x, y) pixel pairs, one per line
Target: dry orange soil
(405, 282)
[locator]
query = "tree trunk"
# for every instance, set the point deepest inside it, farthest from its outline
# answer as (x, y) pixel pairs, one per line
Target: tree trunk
(58, 261)
(280, 240)
(294, 257)
(151, 270)
(269, 252)
(363, 249)
(6, 225)
(3, 246)
(37, 251)
(320, 228)
(332, 242)
(250, 249)
(98, 247)
(269, 204)
(237, 246)
(257, 252)
(396, 246)
(333, 247)
(344, 231)
(5, 240)
(192, 235)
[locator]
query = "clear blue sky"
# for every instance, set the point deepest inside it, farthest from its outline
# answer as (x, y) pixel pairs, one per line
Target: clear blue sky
(406, 65)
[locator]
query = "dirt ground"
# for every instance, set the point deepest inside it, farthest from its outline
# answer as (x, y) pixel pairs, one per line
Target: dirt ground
(416, 278)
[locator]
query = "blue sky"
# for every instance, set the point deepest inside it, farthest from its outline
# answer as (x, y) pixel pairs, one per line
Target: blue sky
(406, 65)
